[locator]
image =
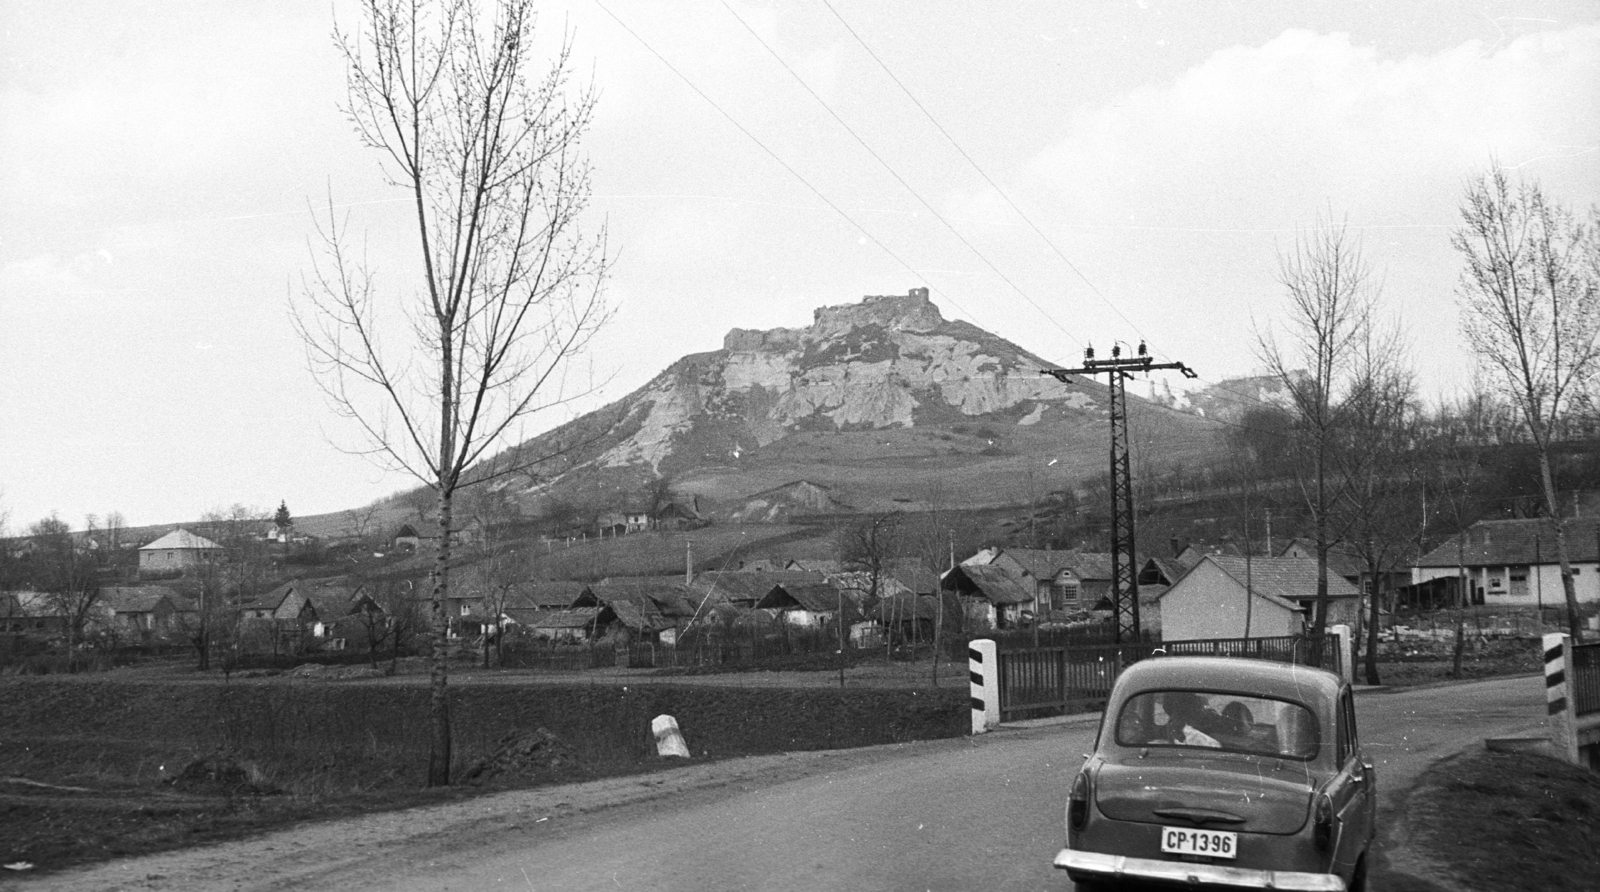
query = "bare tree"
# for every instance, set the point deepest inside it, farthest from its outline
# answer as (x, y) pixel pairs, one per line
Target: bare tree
(67, 575)
(1530, 307)
(487, 149)
(242, 570)
(1331, 296)
(1380, 467)
(1455, 447)
(358, 523)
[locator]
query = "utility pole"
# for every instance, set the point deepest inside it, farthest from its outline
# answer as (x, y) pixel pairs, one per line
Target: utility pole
(1124, 571)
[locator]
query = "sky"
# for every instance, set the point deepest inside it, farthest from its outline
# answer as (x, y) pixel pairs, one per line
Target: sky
(1057, 173)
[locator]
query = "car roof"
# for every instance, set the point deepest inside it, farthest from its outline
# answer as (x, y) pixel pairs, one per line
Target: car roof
(1287, 681)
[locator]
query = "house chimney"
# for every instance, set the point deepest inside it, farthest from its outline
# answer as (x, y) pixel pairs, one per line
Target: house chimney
(1174, 545)
(688, 562)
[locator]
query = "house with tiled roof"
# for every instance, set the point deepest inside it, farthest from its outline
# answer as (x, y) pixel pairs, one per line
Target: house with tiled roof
(745, 589)
(915, 575)
(810, 605)
(1062, 581)
(990, 596)
(545, 594)
(570, 624)
(1514, 561)
(149, 609)
(1277, 596)
(177, 550)
(289, 603)
(645, 608)
(863, 587)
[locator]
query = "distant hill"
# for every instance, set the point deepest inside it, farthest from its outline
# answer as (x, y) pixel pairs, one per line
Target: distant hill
(876, 405)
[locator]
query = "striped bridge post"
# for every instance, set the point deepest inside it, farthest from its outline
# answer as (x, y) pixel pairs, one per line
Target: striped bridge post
(1557, 692)
(983, 664)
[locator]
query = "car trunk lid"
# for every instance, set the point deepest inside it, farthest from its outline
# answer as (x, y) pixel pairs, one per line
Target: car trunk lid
(1242, 794)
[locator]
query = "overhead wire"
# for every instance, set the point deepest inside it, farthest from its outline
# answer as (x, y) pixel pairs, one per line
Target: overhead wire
(978, 168)
(770, 153)
(815, 190)
(892, 172)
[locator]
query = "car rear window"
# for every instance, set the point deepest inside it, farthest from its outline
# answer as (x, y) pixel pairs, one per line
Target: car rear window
(1234, 722)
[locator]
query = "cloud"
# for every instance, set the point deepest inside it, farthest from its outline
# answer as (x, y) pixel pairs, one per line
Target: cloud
(1259, 136)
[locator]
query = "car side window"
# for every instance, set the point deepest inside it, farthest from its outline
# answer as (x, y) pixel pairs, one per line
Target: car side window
(1347, 727)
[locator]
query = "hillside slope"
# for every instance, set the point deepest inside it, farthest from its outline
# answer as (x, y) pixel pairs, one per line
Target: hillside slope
(878, 404)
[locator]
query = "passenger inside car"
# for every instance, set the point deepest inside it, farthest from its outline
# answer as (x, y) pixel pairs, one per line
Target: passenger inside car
(1191, 722)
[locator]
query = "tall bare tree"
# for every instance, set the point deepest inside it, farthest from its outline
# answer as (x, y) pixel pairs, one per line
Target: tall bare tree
(242, 570)
(1381, 469)
(1331, 296)
(1530, 307)
(486, 147)
(67, 574)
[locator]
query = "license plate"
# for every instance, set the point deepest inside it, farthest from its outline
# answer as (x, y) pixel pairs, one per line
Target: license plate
(1205, 843)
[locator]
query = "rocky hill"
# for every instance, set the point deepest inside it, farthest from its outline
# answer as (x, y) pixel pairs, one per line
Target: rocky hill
(877, 404)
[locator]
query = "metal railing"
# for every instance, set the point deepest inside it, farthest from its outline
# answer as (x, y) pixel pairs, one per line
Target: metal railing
(1041, 680)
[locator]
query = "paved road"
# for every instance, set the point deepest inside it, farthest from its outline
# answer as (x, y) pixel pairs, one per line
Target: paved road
(942, 815)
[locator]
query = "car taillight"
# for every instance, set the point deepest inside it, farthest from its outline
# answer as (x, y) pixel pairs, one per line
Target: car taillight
(1078, 802)
(1323, 832)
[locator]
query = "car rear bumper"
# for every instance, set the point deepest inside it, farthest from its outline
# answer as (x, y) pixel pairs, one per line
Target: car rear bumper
(1092, 866)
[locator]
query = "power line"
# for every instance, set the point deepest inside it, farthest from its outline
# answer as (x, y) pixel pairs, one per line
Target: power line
(998, 191)
(892, 172)
(770, 153)
(975, 166)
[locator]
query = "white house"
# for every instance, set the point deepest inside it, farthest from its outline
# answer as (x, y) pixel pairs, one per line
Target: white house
(177, 550)
(1514, 562)
(1209, 601)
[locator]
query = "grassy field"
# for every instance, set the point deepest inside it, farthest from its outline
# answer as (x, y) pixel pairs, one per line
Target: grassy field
(92, 798)
(1500, 821)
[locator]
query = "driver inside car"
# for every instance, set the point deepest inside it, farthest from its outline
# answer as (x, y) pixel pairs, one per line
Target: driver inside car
(1191, 722)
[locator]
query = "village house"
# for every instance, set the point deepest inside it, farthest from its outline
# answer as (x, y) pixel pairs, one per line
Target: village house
(1513, 562)
(647, 608)
(991, 597)
(146, 609)
(1348, 563)
(177, 550)
(1279, 595)
(288, 604)
(746, 589)
(816, 605)
(570, 625)
(1063, 581)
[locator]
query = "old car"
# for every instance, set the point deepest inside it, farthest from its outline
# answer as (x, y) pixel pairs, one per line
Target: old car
(1223, 773)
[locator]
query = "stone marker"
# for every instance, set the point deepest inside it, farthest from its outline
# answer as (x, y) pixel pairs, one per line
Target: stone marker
(669, 740)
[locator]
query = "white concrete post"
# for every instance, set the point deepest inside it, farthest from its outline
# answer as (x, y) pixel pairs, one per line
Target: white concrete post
(983, 663)
(669, 740)
(1558, 699)
(1347, 655)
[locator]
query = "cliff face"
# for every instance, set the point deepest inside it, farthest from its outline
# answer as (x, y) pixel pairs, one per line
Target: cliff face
(880, 405)
(889, 361)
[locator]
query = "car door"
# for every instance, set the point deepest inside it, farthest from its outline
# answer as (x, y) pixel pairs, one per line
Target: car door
(1352, 790)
